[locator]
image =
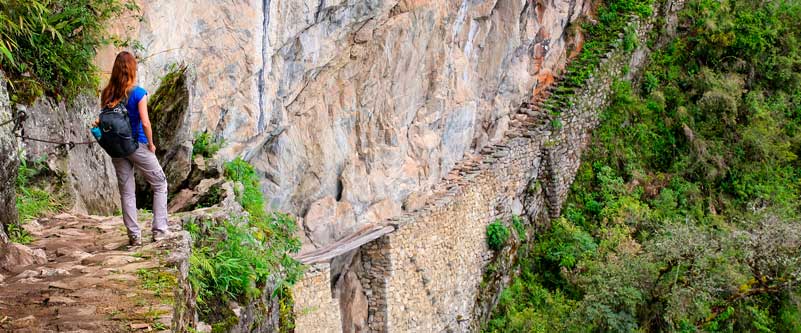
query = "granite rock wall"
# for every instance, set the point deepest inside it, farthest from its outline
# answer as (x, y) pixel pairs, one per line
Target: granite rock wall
(352, 105)
(85, 171)
(9, 163)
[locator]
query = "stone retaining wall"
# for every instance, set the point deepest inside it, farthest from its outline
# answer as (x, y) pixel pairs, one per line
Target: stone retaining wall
(315, 308)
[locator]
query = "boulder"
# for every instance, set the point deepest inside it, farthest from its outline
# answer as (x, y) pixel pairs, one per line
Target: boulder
(168, 106)
(353, 304)
(168, 112)
(208, 193)
(14, 257)
(381, 211)
(182, 201)
(328, 220)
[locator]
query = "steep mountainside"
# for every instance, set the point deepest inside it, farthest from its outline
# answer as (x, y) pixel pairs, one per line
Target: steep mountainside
(684, 215)
(348, 107)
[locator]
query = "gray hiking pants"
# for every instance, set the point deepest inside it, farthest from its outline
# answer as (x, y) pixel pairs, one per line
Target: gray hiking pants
(148, 165)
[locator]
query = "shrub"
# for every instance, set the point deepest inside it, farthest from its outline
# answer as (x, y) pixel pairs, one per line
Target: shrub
(630, 40)
(36, 195)
(497, 235)
(234, 265)
(206, 146)
(517, 223)
(18, 234)
(48, 47)
(235, 259)
(250, 197)
(649, 82)
(34, 199)
(556, 124)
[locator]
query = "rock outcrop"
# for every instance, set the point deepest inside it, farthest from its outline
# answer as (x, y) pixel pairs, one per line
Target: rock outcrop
(9, 163)
(362, 101)
(168, 113)
(86, 171)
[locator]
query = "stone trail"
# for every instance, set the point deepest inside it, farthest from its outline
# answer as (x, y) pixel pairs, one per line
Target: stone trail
(83, 277)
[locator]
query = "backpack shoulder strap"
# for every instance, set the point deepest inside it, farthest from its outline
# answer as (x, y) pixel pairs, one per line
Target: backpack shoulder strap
(121, 106)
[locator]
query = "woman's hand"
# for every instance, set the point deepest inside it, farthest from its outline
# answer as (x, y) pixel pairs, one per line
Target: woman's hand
(146, 123)
(96, 122)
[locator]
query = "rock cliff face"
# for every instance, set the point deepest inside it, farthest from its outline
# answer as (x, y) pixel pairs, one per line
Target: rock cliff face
(349, 106)
(87, 173)
(8, 164)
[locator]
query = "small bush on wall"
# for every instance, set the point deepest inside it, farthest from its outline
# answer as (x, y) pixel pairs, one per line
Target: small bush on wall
(497, 235)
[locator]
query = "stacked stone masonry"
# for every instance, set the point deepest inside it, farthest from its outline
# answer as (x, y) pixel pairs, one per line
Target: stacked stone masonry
(425, 276)
(315, 309)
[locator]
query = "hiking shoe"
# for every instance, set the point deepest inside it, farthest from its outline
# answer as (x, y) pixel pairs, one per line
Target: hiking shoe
(160, 235)
(134, 240)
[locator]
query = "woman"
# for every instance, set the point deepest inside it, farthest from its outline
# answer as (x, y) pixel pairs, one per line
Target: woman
(121, 88)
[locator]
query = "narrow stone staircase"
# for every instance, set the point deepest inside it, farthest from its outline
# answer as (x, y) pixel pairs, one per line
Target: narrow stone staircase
(85, 278)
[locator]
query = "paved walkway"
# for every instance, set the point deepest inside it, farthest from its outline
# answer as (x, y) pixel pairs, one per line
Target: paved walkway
(92, 281)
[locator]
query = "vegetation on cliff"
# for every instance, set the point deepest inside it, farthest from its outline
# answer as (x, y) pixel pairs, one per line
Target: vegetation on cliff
(48, 47)
(684, 215)
(234, 261)
(38, 192)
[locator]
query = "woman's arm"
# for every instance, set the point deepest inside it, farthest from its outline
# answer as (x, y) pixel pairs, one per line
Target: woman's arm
(146, 124)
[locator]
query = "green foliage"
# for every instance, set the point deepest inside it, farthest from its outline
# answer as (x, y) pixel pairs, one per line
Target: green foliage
(556, 124)
(213, 197)
(159, 326)
(613, 17)
(517, 223)
(789, 317)
(161, 282)
(286, 313)
(630, 39)
(48, 47)
(649, 82)
(230, 267)
(35, 196)
(234, 259)
(530, 307)
(250, 197)
(206, 146)
(18, 234)
(497, 235)
(565, 244)
(684, 214)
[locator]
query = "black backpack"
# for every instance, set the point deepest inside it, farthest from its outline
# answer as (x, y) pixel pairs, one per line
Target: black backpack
(116, 134)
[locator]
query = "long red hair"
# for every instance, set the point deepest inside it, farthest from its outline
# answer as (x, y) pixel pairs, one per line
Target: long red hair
(123, 77)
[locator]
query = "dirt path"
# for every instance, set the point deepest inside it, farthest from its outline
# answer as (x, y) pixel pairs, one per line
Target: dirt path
(92, 281)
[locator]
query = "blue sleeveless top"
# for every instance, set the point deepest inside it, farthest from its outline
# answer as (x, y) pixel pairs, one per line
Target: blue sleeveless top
(136, 95)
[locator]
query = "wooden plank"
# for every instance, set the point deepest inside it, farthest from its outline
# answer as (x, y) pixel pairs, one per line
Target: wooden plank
(345, 245)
